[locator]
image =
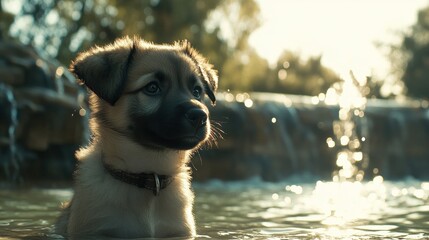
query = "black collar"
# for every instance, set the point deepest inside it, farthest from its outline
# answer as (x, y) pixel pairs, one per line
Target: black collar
(150, 181)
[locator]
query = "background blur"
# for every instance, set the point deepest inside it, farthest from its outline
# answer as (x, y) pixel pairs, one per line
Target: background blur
(292, 47)
(221, 29)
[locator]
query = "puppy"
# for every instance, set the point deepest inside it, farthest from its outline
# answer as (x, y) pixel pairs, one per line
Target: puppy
(148, 114)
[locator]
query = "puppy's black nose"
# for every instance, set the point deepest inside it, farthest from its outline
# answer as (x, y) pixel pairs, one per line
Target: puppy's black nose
(197, 117)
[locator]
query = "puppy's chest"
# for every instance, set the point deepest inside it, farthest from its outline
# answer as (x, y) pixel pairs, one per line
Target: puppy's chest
(145, 215)
(134, 217)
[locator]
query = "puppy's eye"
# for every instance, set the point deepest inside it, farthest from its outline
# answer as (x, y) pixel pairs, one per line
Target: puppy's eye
(152, 89)
(197, 91)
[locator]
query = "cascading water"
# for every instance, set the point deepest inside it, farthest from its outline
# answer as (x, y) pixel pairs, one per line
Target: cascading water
(347, 199)
(10, 163)
(350, 130)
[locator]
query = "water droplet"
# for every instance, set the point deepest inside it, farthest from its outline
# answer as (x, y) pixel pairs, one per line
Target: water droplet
(330, 142)
(229, 97)
(82, 112)
(378, 179)
(358, 156)
(248, 103)
(282, 74)
(239, 97)
(273, 120)
(286, 64)
(59, 72)
(344, 140)
(315, 100)
(275, 196)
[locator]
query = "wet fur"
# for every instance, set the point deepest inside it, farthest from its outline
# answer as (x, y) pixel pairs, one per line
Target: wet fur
(138, 133)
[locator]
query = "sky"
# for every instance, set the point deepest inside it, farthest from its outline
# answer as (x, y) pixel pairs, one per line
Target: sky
(344, 32)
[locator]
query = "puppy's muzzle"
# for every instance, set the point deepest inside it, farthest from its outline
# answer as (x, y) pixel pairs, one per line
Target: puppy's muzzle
(197, 117)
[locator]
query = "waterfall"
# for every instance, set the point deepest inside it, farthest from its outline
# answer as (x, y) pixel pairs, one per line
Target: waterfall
(10, 163)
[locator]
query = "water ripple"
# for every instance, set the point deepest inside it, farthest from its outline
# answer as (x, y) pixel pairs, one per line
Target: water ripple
(223, 212)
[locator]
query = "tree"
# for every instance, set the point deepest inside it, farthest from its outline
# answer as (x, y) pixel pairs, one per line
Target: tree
(219, 29)
(294, 75)
(6, 21)
(61, 28)
(412, 57)
(245, 71)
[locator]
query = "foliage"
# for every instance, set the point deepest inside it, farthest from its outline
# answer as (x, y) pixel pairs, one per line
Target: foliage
(291, 69)
(413, 57)
(291, 74)
(218, 28)
(6, 20)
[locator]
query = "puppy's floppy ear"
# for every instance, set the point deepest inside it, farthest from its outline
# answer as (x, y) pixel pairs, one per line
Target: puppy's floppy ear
(206, 69)
(210, 81)
(104, 70)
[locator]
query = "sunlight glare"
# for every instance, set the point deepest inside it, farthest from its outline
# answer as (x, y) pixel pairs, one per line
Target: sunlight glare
(330, 142)
(82, 112)
(273, 120)
(358, 156)
(345, 202)
(315, 100)
(248, 103)
(294, 188)
(331, 97)
(229, 97)
(239, 97)
(275, 196)
(344, 140)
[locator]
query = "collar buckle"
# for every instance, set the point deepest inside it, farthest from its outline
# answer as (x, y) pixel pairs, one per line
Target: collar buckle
(149, 181)
(157, 185)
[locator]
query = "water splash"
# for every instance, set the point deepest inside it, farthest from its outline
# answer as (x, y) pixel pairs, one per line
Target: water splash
(350, 130)
(11, 166)
(347, 198)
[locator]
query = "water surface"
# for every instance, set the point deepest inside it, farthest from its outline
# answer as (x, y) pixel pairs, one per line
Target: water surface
(259, 210)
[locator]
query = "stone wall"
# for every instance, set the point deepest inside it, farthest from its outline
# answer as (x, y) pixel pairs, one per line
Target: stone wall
(40, 124)
(280, 136)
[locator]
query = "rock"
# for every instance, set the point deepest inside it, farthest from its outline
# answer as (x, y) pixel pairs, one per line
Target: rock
(281, 136)
(46, 100)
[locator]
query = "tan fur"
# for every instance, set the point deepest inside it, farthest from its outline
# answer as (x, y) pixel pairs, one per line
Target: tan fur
(105, 206)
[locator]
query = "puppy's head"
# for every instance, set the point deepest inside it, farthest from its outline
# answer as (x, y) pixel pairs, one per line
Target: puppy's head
(152, 94)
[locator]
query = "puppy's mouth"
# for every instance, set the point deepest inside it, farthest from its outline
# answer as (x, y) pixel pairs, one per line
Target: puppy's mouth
(186, 142)
(183, 127)
(171, 138)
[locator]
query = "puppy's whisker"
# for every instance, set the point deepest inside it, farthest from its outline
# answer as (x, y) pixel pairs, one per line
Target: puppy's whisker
(215, 134)
(197, 152)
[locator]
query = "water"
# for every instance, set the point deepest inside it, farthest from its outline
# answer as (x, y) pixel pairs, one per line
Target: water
(254, 209)
(10, 165)
(351, 128)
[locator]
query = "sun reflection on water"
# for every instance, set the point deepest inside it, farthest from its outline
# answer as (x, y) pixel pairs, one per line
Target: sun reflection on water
(346, 202)
(347, 199)
(350, 129)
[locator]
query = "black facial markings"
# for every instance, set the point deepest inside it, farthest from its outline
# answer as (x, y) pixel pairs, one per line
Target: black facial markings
(195, 84)
(193, 55)
(168, 127)
(160, 75)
